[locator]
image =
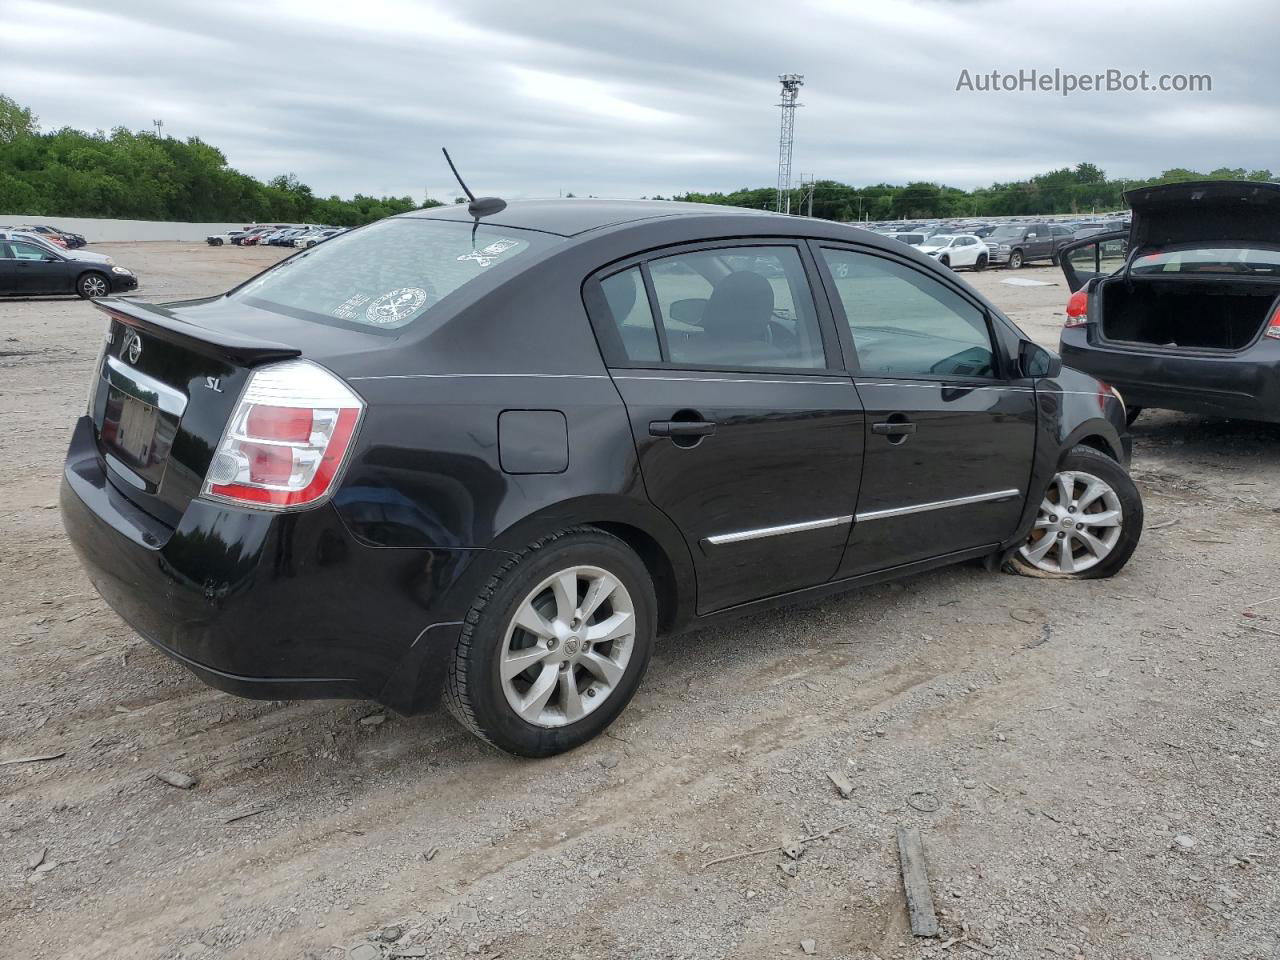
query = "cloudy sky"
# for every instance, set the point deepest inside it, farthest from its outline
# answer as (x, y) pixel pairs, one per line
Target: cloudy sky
(656, 97)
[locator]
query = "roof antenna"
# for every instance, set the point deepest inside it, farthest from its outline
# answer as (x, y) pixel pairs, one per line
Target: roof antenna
(480, 207)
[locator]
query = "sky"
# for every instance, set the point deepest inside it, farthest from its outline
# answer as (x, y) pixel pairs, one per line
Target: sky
(540, 97)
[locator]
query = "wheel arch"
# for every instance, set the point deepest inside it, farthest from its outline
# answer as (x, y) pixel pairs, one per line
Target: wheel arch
(641, 526)
(1098, 434)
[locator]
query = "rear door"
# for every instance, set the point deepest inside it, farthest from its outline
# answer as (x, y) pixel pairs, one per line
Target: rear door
(1098, 255)
(749, 432)
(951, 426)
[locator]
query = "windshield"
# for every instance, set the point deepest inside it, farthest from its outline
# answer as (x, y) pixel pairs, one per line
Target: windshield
(386, 275)
(939, 240)
(1006, 232)
(1234, 261)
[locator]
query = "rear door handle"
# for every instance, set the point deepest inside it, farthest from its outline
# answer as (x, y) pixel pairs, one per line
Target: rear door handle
(681, 428)
(894, 429)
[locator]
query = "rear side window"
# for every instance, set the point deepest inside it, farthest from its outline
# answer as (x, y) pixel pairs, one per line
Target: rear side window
(740, 307)
(905, 323)
(385, 276)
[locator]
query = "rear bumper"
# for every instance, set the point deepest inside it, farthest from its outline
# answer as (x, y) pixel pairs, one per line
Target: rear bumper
(1244, 386)
(270, 606)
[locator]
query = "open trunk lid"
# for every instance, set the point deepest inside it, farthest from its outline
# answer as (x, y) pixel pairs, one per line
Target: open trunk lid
(161, 396)
(1206, 211)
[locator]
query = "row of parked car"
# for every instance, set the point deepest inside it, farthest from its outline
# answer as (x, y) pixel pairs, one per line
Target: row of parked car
(977, 244)
(275, 235)
(54, 235)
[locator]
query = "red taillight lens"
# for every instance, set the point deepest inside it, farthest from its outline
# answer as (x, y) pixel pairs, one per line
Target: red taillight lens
(1078, 309)
(287, 439)
(1273, 328)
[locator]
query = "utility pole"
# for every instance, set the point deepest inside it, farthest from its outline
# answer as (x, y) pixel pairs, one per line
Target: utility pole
(791, 84)
(159, 125)
(806, 192)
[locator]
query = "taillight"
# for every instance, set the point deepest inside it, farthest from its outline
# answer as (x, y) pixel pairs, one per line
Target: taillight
(1078, 309)
(287, 439)
(1273, 328)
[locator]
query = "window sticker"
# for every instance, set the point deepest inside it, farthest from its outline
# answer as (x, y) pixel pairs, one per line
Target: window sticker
(487, 255)
(395, 306)
(350, 308)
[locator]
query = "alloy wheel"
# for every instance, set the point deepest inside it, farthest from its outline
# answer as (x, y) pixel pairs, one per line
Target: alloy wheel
(1078, 525)
(95, 286)
(567, 647)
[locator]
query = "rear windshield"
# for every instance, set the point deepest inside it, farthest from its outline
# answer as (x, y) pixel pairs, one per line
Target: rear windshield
(388, 274)
(1229, 261)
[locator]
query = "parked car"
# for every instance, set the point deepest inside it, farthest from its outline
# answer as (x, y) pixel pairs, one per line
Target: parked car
(494, 457)
(252, 235)
(1019, 243)
(911, 239)
(956, 250)
(218, 239)
(285, 238)
(316, 236)
(40, 240)
(72, 241)
(1182, 311)
(29, 267)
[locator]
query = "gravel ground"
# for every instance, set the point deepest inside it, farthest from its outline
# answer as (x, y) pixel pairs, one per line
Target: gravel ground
(1093, 766)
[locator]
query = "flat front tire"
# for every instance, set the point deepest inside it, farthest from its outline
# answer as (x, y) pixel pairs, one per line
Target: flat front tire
(556, 644)
(1088, 523)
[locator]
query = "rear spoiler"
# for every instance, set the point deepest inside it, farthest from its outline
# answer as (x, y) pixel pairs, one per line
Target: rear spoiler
(155, 319)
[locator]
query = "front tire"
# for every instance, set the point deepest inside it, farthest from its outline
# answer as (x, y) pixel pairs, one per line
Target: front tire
(556, 644)
(1131, 414)
(92, 285)
(945, 261)
(1088, 524)
(1015, 260)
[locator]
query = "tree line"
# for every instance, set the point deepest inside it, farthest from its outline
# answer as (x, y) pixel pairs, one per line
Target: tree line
(1082, 189)
(143, 176)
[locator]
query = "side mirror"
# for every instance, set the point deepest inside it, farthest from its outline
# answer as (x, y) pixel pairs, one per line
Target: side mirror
(1034, 361)
(688, 311)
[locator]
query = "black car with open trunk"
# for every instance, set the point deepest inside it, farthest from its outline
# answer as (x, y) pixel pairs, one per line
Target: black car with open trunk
(1182, 311)
(496, 456)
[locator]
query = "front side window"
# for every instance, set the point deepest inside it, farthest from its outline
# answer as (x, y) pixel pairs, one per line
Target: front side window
(907, 324)
(738, 307)
(386, 275)
(28, 251)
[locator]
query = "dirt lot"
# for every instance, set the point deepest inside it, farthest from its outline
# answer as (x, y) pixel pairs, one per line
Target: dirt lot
(1095, 767)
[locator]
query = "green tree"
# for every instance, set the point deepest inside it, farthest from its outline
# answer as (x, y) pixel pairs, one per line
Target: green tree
(16, 121)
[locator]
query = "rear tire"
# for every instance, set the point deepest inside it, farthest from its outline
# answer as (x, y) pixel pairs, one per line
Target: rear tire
(572, 687)
(1131, 414)
(981, 263)
(92, 285)
(1065, 543)
(1015, 260)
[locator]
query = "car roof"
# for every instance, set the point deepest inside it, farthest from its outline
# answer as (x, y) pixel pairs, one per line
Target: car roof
(572, 216)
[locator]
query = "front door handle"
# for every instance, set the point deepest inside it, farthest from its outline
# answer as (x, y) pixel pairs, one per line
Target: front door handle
(893, 429)
(681, 428)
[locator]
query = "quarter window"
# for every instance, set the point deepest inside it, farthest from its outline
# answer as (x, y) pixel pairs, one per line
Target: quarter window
(629, 308)
(738, 307)
(907, 324)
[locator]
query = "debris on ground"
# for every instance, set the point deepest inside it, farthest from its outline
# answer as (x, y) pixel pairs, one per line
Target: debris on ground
(39, 759)
(175, 779)
(810, 947)
(373, 720)
(842, 783)
(915, 883)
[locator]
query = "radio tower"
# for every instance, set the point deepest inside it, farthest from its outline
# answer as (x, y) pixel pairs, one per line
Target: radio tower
(791, 84)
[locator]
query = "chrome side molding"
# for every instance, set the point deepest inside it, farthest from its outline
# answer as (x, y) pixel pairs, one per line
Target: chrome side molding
(722, 538)
(938, 505)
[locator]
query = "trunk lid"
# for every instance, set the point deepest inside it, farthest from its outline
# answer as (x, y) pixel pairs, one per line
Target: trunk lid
(1207, 211)
(169, 379)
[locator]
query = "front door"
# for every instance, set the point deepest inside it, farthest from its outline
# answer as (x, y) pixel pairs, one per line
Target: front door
(1098, 255)
(951, 426)
(749, 439)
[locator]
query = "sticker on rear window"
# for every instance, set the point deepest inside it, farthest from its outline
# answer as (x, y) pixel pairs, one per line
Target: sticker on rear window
(349, 309)
(487, 255)
(396, 306)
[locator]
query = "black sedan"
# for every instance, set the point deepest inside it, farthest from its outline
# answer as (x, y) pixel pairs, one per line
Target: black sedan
(495, 458)
(1182, 310)
(30, 269)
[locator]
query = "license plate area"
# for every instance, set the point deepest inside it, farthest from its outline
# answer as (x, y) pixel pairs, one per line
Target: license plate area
(137, 421)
